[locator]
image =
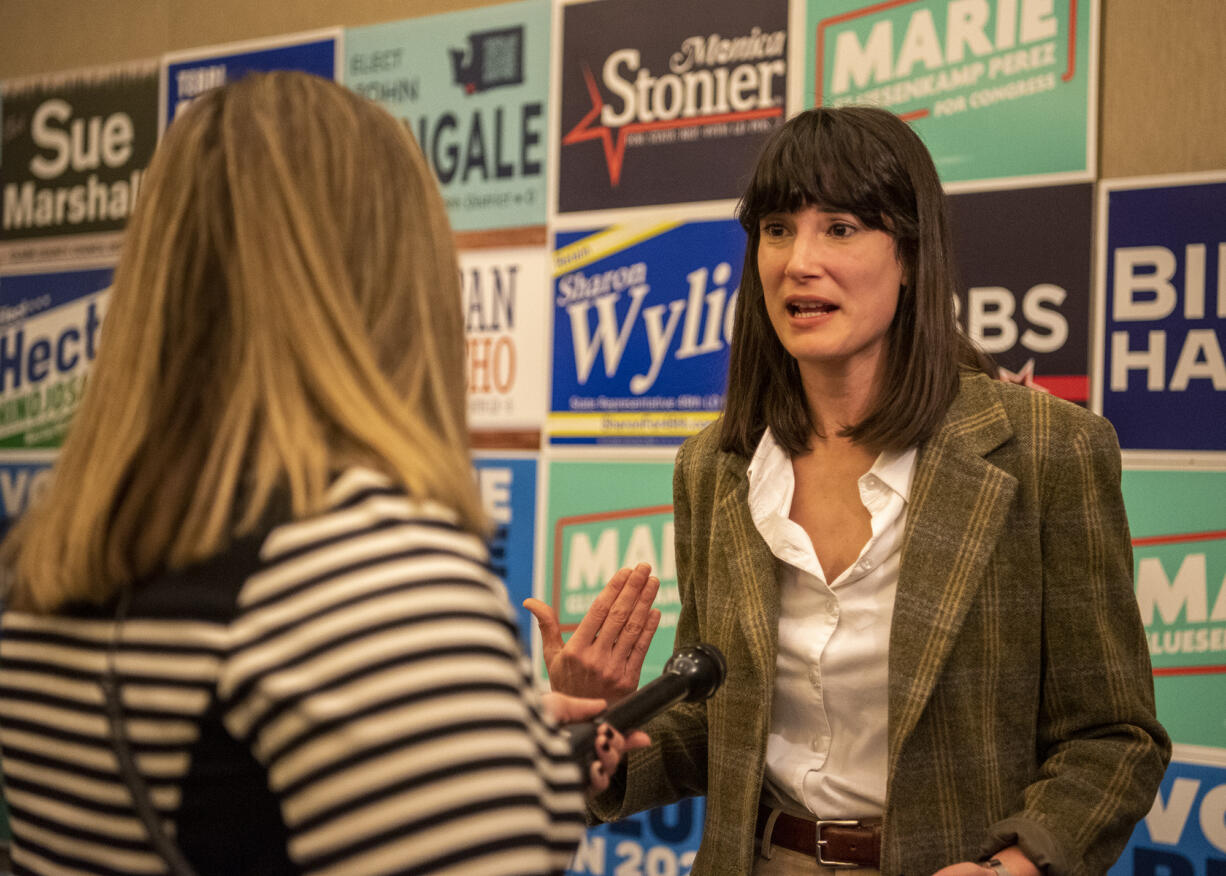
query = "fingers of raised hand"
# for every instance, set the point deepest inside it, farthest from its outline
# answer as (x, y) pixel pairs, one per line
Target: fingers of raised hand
(546, 619)
(637, 620)
(638, 652)
(604, 656)
(589, 628)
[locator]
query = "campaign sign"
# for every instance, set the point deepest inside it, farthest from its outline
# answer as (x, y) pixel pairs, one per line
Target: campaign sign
(48, 341)
(74, 151)
(666, 106)
(1025, 293)
(601, 516)
(1178, 524)
(661, 842)
(506, 325)
(24, 477)
(472, 87)
(1160, 375)
(508, 493)
(189, 74)
(1184, 833)
(641, 326)
(996, 88)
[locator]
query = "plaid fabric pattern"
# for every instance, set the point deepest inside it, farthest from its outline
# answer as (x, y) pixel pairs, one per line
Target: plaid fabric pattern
(1021, 699)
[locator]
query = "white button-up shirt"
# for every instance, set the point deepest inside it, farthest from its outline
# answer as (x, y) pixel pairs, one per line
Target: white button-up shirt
(826, 752)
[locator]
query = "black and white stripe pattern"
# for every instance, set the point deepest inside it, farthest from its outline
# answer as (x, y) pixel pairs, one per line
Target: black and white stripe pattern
(369, 665)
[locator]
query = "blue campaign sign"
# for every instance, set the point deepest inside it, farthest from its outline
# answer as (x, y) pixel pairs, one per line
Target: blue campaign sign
(189, 76)
(1161, 375)
(23, 478)
(24, 295)
(49, 334)
(508, 492)
(1184, 833)
(642, 323)
(661, 841)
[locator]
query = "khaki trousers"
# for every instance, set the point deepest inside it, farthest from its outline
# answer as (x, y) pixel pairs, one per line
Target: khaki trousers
(785, 862)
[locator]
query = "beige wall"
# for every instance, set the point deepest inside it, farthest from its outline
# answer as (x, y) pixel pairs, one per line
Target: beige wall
(1162, 105)
(42, 36)
(1162, 100)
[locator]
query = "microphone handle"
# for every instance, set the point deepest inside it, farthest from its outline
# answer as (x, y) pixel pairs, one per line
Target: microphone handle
(645, 703)
(629, 714)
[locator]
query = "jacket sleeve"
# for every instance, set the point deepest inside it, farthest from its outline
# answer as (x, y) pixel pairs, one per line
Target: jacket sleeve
(1101, 750)
(674, 766)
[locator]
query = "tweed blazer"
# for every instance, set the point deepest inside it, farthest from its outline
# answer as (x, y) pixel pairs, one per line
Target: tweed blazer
(1020, 692)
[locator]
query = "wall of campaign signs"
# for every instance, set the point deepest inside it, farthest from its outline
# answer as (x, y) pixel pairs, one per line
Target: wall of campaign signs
(590, 155)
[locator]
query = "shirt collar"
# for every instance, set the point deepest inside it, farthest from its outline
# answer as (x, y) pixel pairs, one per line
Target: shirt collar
(896, 469)
(771, 467)
(771, 482)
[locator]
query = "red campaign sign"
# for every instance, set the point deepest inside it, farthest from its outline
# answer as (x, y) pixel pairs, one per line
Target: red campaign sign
(664, 108)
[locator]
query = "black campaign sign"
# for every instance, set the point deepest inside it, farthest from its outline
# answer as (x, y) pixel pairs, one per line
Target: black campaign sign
(667, 102)
(1024, 264)
(75, 150)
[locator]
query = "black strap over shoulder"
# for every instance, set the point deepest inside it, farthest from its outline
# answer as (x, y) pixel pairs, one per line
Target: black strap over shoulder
(142, 800)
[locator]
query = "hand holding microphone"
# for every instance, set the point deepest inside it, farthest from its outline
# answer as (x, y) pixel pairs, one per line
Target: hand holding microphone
(692, 675)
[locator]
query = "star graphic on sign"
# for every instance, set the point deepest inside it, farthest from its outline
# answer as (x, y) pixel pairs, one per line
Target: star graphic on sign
(1024, 376)
(613, 141)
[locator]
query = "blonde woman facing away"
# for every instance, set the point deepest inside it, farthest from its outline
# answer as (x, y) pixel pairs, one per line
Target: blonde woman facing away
(251, 628)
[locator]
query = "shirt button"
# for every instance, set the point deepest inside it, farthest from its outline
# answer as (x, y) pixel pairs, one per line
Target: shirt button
(866, 563)
(815, 677)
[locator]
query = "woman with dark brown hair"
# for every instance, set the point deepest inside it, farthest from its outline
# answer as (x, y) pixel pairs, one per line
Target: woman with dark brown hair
(920, 576)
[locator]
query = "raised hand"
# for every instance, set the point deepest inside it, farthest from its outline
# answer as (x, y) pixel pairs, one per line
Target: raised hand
(604, 656)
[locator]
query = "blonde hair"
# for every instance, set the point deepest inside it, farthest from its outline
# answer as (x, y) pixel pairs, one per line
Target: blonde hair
(286, 303)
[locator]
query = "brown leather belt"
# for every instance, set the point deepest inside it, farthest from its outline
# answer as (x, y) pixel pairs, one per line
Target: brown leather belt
(833, 843)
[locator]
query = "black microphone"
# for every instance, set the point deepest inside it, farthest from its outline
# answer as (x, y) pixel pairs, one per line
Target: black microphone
(691, 675)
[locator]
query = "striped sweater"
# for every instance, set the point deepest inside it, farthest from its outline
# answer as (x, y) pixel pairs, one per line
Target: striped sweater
(342, 695)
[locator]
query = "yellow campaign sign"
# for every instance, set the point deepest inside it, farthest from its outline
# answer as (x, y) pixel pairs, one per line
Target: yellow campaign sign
(637, 424)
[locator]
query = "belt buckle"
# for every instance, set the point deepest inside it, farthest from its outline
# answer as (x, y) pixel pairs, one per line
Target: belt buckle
(821, 843)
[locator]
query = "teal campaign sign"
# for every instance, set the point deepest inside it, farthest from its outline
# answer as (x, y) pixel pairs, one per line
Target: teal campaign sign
(472, 87)
(1178, 523)
(603, 515)
(996, 88)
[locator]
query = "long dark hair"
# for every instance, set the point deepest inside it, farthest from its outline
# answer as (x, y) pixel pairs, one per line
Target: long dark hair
(869, 163)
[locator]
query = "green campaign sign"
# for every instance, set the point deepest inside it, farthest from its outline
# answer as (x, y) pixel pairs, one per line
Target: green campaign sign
(602, 516)
(1178, 523)
(996, 88)
(472, 86)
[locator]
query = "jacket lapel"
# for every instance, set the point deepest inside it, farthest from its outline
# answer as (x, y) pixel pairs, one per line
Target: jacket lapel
(958, 505)
(756, 595)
